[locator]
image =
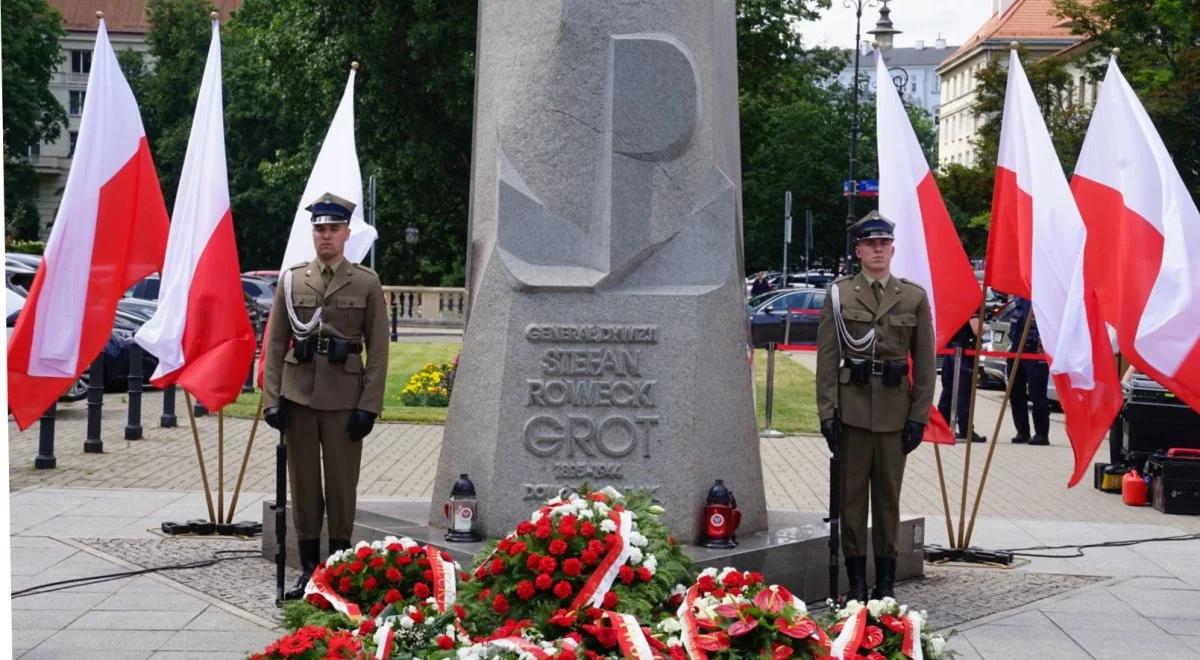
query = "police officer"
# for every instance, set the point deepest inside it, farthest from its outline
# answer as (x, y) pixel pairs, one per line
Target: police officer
(326, 362)
(964, 339)
(872, 416)
(1030, 380)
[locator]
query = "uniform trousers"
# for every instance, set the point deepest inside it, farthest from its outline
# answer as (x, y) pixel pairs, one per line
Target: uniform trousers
(871, 463)
(319, 439)
(965, 368)
(1030, 381)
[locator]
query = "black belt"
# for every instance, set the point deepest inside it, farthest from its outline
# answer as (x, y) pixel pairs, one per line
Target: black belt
(876, 366)
(355, 347)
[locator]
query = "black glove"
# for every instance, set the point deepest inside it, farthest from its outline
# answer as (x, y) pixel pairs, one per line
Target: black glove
(832, 430)
(911, 438)
(275, 418)
(361, 423)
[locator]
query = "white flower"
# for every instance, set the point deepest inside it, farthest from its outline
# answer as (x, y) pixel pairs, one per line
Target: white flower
(726, 571)
(406, 621)
(608, 526)
(710, 572)
(656, 509)
(651, 564)
(586, 513)
(679, 589)
(601, 508)
(875, 608)
(674, 641)
(937, 644)
(635, 556)
(637, 539)
(670, 625)
(537, 515)
(852, 607)
(611, 492)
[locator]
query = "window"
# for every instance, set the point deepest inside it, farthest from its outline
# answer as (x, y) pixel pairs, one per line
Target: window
(817, 301)
(914, 87)
(1082, 90)
(74, 135)
(81, 61)
(35, 150)
(75, 102)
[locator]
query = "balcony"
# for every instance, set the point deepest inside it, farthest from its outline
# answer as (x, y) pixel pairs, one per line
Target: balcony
(50, 164)
(70, 79)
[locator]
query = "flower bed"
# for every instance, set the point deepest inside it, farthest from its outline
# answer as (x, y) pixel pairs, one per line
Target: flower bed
(431, 386)
(593, 574)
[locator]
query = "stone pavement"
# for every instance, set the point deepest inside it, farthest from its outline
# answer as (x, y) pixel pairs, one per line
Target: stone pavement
(89, 515)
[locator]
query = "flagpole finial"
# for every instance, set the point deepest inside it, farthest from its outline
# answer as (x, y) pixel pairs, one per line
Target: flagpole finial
(1013, 45)
(354, 66)
(1116, 51)
(213, 15)
(99, 14)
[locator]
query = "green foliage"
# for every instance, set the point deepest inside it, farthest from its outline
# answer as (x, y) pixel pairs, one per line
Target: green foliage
(29, 52)
(26, 247)
(1160, 56)
(298, 613)
(967, 192)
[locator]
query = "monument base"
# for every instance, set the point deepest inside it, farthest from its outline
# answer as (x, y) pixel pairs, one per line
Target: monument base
(793, 552)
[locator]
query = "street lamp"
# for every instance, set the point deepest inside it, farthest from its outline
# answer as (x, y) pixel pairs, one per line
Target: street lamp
(411, 236)
(855, 128)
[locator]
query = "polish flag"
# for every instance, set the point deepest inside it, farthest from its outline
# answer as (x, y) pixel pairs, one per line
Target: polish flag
(1036, 251)
(1144, 263)
(200, 332)
(928, 250)
(110, 231)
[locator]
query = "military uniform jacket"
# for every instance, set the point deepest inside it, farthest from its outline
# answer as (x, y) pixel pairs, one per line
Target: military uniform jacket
(903, 327)
(353, 308)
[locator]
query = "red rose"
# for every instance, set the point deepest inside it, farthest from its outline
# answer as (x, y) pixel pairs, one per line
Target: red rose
(370, 583)
(525, 590)
(392, 596)
(418, 616)
(543, 531)
(376, 562)
(706, 583)
(517, 548)
(733, 579)
(421, 590)
(503, 544)
(626, 575)
(496, 567)
(423, 561)
(403, 559)
(344, 585)
(363, 552)
(610, 600)
(572, 567)
(588, 529)
(548, 564)
(533, 562)
(444, 642)
(375, 610)
(500, 604)
(566, 526)
(392, 574)
(395, 547)
(563, 589)
(356, 566)
(595, 547)
(524, 527)
(367, 627)
(543, 581)
(558, 546)
(589, 557)
(644, 574)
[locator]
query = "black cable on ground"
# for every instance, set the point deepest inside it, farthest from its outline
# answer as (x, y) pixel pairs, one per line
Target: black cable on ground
(1079, 548)
(218, 556)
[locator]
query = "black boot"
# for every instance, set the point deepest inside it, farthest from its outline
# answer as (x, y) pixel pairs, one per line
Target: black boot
(856, 575)
(885, 578)
(337, 545)
(310, 557)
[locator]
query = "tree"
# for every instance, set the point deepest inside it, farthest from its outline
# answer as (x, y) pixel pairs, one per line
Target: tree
(30, 54)
(1160, 56)
(967, 192)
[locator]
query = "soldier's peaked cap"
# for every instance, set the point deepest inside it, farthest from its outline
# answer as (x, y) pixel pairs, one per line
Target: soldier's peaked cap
(873, 225)
(330, 209)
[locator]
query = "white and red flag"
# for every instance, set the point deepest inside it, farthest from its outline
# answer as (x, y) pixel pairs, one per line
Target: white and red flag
(928, 249)
(110, 231)
(200, 332)
(1143, 252)
(1036, 251)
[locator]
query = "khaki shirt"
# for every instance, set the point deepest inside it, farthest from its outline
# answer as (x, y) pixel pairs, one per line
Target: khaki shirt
(353, 307)
(903, 328)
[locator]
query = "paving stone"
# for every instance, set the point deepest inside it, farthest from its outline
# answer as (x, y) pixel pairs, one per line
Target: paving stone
(1073, 622)
(1162, 603)
(248, 641)
(85, 641)
(197, 655)
(67, 601)
(177, 602)
(50, 619)
(133, 620)
(27, 638)
(215, 618)
(1180, 626)
(1192, 641)
(952, 595)
(1007, 642)
(1120, 644)
(58, 654)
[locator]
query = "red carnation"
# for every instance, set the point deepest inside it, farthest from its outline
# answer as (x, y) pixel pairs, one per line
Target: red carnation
(370, 583)
(375, 610)
(543, 531)
(733, 579)
(460, 611)
(566, 654)
(563, 589)
(503, 544)
(428, 575)
(644, 574)
(754, 577)
(418, 616)
(392, 596)
(543, 581)
(572, 567)
(706, 583)
(548, 564)
(626, 575)
(344, 585)
(444, 642)
(566, 526)
(367, 627)
(500, 604)
(318, 601)
(337, 570)
(421, 590)
(876, 655)
(392, 574)
(363, 552)
(395, 547)
(496, 567)
(612, 540)
(533, 562)
(376, 562)
(524, 527)
(356, 566)
(517, 548)
(525, 590)
(403, 559)
(422, 561)
(595, 547)
(587, 529)
(610, 600)
(598, 497)
(589, 557)
(558, 546)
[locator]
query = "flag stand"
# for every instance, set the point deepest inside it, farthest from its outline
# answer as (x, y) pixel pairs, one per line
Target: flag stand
(245, 460)
(200, 455)
(962, 511)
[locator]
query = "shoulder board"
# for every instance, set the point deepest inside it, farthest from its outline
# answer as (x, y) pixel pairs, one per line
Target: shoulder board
(911, 283)
(844, 278)
(362, 267)
(302, 264)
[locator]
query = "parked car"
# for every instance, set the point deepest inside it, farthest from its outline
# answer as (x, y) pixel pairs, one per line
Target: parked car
(262, 290)
(769, 315)
(273, 275)
(13, 303)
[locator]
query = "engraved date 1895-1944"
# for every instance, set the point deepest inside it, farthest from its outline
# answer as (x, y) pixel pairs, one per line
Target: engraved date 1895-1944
(588, 471)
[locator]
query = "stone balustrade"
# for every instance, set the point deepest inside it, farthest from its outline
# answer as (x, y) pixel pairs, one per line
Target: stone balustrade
(425, 305)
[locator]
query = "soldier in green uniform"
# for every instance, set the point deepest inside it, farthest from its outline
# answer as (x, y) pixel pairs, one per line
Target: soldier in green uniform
(873, 406)
(318, 387)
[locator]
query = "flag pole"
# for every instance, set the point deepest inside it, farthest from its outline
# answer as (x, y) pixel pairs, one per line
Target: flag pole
(962, 510)
(245, 461)
(999, 420)
(199, 455)
(937, 454)
(220, 465)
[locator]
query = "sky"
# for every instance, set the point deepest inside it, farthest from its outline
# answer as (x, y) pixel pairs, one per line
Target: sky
(916, 19)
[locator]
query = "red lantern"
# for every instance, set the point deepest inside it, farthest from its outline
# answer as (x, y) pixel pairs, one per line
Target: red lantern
(721, 518)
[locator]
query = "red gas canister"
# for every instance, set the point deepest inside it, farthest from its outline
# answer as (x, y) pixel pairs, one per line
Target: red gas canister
(1133, 489)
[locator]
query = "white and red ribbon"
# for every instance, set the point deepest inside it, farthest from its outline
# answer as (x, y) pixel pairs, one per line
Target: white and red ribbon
(911, 644)
(521, 645)
(445, 584)
(851, 637)
(691, 628)
(593, 591)
(384, 637)
(630, 637)
(319, 584)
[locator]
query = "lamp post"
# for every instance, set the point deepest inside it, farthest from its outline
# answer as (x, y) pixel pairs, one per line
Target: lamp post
(855, 127)
(412, 236)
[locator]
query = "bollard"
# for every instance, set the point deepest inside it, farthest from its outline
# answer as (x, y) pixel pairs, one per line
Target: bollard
(395, 316)
(167, 420)
(787, 327)
(45, 456)
(769, 432)
(248, 386)
(199, 410)
(92, 443)
(133, 424)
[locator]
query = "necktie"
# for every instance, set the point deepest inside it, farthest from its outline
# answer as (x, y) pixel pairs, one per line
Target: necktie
(326, 275)
(877, 289)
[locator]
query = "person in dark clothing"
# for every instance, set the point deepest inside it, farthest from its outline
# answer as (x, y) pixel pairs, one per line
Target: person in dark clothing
(1029, 380)
(965, 339)
(760, 284)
